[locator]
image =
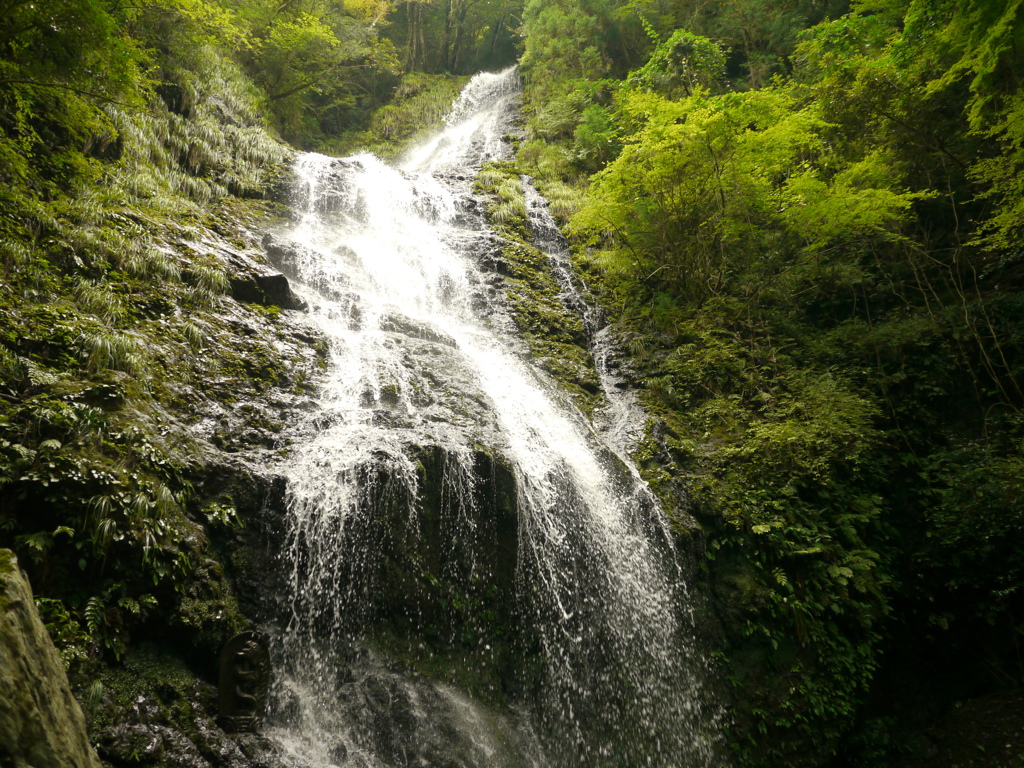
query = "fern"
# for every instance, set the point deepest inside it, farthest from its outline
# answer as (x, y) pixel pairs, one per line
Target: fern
(780, 577)
(93, 613)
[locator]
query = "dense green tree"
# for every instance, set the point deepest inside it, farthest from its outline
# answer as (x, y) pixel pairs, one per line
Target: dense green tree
(561, 46)
(708, 189)
(681, 64)
(60, 63)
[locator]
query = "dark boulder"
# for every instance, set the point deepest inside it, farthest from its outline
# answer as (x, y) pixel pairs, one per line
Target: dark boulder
(266, 288)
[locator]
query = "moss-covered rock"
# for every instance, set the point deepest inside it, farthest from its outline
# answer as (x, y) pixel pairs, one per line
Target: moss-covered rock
(41, 723)
(553, 331)
(152, 710)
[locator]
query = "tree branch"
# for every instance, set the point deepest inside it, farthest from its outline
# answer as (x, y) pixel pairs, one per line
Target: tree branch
(312, 81)
(63, 87)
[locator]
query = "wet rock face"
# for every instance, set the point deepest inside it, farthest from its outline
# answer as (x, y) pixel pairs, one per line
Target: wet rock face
(205, 746)
(416, 722)
(437, 574)
(266, 288)
(41, 724)
(253, 282)
(446, 574)
(247, 553)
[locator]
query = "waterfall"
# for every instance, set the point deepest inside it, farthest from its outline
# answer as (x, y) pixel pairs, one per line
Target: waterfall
(474, 577)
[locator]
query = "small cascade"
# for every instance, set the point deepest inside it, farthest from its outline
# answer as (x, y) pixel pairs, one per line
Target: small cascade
(548, 238)
(473, 576)
(478, 120)
(621, 422)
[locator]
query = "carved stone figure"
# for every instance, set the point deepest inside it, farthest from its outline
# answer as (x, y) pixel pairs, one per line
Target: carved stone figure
(244, 678)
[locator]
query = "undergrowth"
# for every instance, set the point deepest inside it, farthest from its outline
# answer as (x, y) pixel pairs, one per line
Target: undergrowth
(103, 312)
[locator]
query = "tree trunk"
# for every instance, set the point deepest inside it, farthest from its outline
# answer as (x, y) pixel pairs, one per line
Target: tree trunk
(413, 21)
(446, 41)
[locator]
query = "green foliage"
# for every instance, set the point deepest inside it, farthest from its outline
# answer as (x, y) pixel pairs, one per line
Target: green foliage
(973, 550)
(595, 138)
(419, 104)
(820, 275)
(560, 46)
(303, 61)
(707, 187)
(1002, 180)
(508, 213)
(785, 472)
(121, 129)
(60, 63)
(680, 65)
(421, 101)
(820, 278)
(64, 630)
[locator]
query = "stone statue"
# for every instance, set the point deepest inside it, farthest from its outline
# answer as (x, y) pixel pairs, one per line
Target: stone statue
(244, 678)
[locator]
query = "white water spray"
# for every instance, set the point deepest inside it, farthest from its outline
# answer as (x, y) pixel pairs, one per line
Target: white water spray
(576, 654)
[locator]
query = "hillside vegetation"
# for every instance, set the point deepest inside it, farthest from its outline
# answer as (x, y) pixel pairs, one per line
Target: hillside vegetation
(809, 220)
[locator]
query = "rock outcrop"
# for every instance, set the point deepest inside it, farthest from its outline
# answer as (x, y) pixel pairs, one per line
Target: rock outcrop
(41, 724)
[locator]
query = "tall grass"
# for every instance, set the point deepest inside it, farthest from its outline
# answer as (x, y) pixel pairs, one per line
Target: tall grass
(207, 284)
(220, 145)
(565, 199)
(100, 300)
(511, 205)
(105, 349)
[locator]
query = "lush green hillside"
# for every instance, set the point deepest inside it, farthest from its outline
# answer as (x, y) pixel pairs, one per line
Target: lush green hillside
(810, 224)
(142, 149)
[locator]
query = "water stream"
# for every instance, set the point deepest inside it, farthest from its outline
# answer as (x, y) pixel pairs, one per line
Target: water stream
(621, 420)
(475, 575)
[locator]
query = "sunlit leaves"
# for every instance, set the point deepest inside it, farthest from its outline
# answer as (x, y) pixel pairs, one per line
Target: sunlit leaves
(679, 65)
(1003, 177)
(210, 23)
(372, 11)
(855, 204)
(707, 184)
(59, 63)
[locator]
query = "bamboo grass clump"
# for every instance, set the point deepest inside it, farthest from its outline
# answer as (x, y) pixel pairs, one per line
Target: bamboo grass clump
(565, 199)
(100, 300)
(106, 349)
(511, 207)
(218, 146)
(489, 177)
(195, 335)
(208, 284)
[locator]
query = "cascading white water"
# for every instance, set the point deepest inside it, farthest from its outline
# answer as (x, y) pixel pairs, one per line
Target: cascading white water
(621, 420)
(475, 126)
(575, 654)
